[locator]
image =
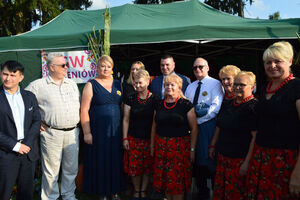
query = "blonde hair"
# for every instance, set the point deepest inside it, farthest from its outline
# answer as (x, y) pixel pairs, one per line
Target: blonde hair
(251, 77)
(280, 50)
(231, 70)
(140, 64)
(141, 73)
(176, 79)
(106, 58)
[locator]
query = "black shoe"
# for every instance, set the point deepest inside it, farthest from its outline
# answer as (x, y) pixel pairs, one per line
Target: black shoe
(143, 195)
(204, 194)
(134, 197)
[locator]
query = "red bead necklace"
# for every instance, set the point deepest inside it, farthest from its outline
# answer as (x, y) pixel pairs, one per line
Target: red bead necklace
(280, 86)
(172, 105)
(143, 102)
(228, 96)
(243, 101)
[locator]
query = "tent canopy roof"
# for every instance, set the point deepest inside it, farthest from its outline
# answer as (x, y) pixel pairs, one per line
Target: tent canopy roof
(134, 24)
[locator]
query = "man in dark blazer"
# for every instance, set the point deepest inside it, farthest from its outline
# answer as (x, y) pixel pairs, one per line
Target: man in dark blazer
(19, 131)
(167, 66)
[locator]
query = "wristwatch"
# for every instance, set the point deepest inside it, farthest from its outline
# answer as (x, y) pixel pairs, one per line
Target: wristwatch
(192, 149)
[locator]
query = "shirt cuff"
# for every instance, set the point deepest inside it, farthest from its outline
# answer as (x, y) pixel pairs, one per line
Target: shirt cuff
(17, 147)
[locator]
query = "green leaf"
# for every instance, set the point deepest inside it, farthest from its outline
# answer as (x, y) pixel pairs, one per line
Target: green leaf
(19, 16)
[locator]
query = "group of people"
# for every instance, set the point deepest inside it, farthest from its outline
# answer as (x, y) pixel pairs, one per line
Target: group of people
(162, 131)
(43, 119)
(256, 141)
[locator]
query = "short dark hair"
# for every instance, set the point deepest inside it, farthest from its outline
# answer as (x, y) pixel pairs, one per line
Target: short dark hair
(165, 56)
(13, 66)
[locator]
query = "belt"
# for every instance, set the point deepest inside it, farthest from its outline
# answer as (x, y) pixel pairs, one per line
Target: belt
(62, 129)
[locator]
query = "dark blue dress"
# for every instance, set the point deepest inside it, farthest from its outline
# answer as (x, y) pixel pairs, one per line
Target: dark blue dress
(103, 160)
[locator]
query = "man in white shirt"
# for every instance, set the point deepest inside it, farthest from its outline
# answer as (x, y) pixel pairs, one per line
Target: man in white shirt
(206, 94)
(19, 130)
(59, 102)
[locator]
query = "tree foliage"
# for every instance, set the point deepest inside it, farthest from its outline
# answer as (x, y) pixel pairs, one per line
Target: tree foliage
(275, 16)
(229, 6)
(297, 60)
(18, 16)
(153, 1)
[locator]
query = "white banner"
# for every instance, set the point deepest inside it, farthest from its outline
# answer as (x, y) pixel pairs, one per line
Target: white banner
(81, 65)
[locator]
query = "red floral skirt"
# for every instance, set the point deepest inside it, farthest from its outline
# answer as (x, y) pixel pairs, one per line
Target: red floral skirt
(137, 160)
(172, 170)
(269, 173)
(229, 184)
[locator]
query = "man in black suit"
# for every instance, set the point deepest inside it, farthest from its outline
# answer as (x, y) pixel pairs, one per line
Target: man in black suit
(19, 130)
(167, 66)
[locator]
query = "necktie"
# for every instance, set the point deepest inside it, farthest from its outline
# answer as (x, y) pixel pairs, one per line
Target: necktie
(196, 97)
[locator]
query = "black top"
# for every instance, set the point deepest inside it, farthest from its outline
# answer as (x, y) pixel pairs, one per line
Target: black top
(128, 90)
(141, 116)
(236, 124)
(279, 125)
(225, 103)
(172, 122)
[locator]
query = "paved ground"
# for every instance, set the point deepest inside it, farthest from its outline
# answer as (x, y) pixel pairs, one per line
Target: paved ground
(126, 195)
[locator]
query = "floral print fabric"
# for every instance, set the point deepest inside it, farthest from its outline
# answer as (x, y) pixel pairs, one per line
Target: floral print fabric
(269, 173)
(137, 160)
(229, 184)
(172, 171)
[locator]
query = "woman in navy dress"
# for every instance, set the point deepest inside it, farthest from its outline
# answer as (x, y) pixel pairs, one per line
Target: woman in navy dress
(101, 123)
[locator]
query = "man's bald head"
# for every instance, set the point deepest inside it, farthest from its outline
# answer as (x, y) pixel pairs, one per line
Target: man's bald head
(200, 68)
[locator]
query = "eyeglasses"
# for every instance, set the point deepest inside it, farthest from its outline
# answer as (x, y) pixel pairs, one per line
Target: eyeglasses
(62, 65)
(198, 67)
(241, 85)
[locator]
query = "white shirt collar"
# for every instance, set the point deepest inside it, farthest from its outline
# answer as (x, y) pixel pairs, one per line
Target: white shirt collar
(18, 91)
(49, 79)
(204, 79)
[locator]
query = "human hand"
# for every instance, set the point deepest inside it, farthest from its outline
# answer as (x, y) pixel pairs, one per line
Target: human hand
(151, 150)
(244, 168)
(126, 145)
(295, 183)
(88, 138)
(24, 149)
(43, 127)
(212, 152)
(192, 156)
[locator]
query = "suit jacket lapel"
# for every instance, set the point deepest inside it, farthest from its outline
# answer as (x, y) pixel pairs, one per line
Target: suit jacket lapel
(161, 85)
(5, 105)
(26, 108)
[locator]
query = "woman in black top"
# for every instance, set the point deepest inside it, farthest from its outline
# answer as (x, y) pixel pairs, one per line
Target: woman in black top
(137, 124)
(226, 75)
(175, 132)
(274, 171)
(234, 140)
(128, 86)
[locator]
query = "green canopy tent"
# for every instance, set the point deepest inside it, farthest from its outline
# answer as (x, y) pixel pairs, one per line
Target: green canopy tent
(133, 24)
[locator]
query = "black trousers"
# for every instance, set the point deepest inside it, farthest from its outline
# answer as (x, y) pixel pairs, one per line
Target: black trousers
(202, 173)
(19, 170)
